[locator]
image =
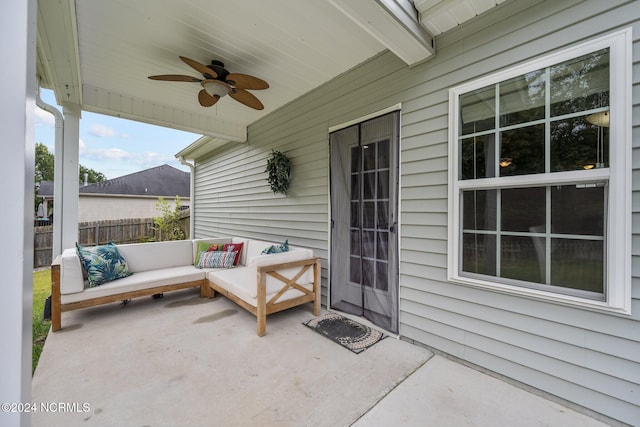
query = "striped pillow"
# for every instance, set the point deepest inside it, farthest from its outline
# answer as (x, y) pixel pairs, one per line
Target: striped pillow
(216, 259)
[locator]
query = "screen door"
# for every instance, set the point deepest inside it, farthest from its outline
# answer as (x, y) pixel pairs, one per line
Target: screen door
(364, 212)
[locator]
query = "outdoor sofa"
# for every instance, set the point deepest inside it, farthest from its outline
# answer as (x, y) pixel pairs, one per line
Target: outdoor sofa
(259, 282)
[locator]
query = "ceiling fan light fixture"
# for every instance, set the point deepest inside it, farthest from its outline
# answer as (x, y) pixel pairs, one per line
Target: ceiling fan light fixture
(218, 82)
(216, 88)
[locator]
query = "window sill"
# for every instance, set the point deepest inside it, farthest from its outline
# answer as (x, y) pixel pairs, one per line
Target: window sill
(603, 307)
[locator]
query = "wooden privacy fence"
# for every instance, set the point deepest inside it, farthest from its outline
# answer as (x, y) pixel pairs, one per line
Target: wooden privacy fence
(120, 231)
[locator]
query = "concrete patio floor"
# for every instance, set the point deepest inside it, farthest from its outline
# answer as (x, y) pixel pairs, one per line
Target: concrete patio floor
(186, 361)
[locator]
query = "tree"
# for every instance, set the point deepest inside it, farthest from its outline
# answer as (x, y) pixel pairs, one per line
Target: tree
(44, 166)
(168, 225)
(44, 163)
(92, 175)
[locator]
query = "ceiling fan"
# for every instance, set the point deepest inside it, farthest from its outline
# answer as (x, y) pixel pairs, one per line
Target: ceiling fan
(218, 82)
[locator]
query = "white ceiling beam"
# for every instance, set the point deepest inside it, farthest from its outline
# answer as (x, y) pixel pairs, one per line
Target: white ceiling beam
(102, 101)
(394, 23)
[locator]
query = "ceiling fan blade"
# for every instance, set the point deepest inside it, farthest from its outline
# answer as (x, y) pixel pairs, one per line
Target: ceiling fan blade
(246, 98)
(205, 99)
(175, 78)
(206, 71)
(245, 81)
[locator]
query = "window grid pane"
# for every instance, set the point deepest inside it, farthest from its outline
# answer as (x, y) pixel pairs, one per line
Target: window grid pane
(544, 235)
(555, 119)
(574, 122)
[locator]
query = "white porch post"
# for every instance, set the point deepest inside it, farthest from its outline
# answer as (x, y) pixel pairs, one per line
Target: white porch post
(68, 184)
(18, 88)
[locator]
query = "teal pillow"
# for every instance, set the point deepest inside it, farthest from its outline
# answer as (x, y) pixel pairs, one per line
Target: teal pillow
(276, 249)
(102, 263)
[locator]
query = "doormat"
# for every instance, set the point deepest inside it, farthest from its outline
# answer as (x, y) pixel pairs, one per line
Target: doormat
(346, 332)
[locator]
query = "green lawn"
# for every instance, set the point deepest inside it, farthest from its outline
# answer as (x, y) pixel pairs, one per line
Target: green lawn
(41, 290)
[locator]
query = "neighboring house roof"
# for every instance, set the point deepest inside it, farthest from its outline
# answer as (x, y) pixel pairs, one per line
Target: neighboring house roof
(165, 181)
(45, 188)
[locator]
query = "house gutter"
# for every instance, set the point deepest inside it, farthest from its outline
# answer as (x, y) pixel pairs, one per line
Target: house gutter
(192, 195)
(57, 173)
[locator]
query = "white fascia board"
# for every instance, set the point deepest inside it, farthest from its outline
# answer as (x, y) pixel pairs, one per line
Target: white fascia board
(393, 24)
(200, 147)
(58, 53)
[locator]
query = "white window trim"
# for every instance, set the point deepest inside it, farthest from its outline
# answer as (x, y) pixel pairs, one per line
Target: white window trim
(618, 267)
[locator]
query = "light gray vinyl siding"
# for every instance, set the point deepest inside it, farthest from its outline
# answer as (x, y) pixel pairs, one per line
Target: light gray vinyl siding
(587, 357)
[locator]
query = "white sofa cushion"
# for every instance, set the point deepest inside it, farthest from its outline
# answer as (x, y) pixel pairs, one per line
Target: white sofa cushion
(140, 280)
(71, 279)
(139, 257)
(242, 282)
(157, 255)
(255, 248)
(246, 278)
(294, 254)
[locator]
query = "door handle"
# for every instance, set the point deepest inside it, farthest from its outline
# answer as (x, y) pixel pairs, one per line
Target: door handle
(392, 229)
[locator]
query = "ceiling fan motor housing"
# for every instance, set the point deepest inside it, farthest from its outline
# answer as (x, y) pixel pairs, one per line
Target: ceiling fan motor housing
(218, 67)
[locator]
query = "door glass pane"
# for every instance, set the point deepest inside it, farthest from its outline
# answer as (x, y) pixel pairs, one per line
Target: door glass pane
(383, 245)
(369, 185)
(477, 157)
(522, 151)
(383, 154)
(369, 244)
(355, 187)
(355, 159)
(578, 210)
(368, 272)
(479, 253)
(355, 214)
(382, 276)
(355, 242)
(479, 209)
(578, 264)
(354, 270)
(521, 260)
(523, 209)
(522, 98)
(369, 215)
(383, 215)
(478, 110)
(578, 144)
(580, 84)
(369, 153)
(383, 185)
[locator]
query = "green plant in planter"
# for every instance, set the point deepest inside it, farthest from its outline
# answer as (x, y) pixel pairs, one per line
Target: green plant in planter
(278, 171)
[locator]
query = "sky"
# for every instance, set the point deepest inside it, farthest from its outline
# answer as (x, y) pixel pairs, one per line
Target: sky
(116, 146)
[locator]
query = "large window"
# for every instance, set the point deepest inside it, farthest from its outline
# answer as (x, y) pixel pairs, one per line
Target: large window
(539, 177)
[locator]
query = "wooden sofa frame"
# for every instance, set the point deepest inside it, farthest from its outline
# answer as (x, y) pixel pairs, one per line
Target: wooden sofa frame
(265, 307)
(57, 307)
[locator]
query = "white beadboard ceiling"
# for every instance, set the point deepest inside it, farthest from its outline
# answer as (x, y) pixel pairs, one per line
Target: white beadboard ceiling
(98, 53)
